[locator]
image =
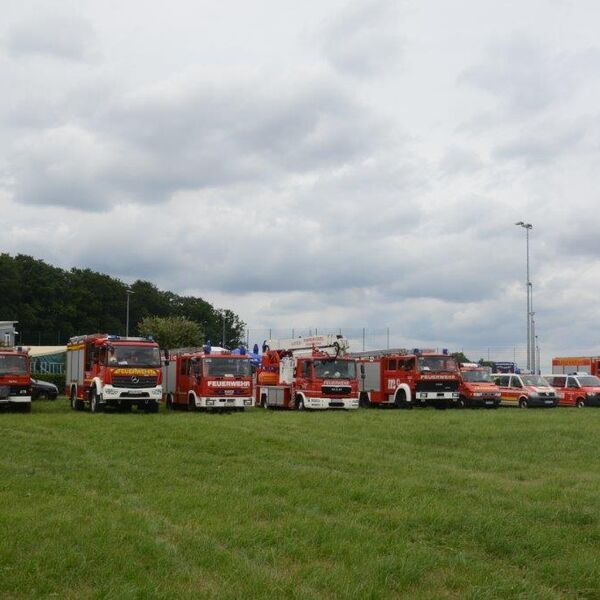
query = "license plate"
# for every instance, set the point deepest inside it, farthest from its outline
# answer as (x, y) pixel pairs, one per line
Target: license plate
(489, 402)
(549, 401)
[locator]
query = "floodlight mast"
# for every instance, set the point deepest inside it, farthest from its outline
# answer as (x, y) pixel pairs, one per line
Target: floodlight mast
(530, 339)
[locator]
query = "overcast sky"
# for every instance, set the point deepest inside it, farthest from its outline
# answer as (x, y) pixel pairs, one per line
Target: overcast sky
(332, 164)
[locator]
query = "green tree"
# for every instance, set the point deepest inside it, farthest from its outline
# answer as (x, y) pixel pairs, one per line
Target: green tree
(460, 357)
(172, 332)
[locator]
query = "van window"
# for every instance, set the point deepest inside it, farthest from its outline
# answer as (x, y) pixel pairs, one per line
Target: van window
(392, 364)
(516, 382)
(557, 381)
(572, 383)
(502, 380)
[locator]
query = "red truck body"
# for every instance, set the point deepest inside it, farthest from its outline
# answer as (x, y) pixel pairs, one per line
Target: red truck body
(300, 374)
(403, 379)
(477, 388)
(15, 379)
(108, 370)
(195, 379)
(563, 365)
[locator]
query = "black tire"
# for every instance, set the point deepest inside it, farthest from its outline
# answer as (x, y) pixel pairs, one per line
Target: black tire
(363, 400)
(400, 400)
(461, 402)
(151, 407)
(523, 403)
(75, 403)
(95, 405)
(169, 402)
(300, 403)
(264, 402)
(191, 404)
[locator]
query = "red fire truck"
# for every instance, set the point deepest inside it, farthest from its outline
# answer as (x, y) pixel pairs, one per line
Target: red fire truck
(477, 388)
(307, 373)
(108, 370)
(205, 379)
(15, 378)
(564, 365)
(403, 378)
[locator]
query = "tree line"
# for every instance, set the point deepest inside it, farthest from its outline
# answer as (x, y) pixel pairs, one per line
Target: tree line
(52, 304)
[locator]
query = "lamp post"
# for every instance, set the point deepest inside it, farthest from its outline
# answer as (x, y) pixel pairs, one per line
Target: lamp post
(129, 292)
(530, 360)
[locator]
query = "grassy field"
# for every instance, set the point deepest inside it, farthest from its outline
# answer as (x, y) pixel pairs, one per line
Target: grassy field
(371, 504)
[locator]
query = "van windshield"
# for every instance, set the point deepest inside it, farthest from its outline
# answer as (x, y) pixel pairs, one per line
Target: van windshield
(535, 380)
(589, 381)
(335, 369)
(12, 364)
(476, 376)
(226, 367)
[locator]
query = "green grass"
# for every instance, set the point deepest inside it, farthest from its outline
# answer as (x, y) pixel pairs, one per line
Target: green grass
(370, 504)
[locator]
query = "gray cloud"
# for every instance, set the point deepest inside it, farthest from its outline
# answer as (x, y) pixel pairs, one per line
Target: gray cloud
(194, 134)
(364, 39)
(65, 37)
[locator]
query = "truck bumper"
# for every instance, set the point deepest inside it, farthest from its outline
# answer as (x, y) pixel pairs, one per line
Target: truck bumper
(325, 403)
(111, 395)
(483, 402)
(15, 400)
(437, 397)
(224, 402)
(542, 402)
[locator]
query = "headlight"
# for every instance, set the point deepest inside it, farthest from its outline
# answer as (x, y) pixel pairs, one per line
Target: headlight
(23, 391)
(497, 394)
(591, 394)
(210, 402)
(248, 402)
(477, 395)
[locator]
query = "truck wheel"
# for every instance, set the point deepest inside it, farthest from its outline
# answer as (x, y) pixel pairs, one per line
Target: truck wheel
(75, 403)
(400, 400)
(523, 403)
(95, 404)
(264, 401)
(151, 407)
(580, 403)
(300, 403)
(191, 404)
(170, 402)
(363, 400)
(461, 402)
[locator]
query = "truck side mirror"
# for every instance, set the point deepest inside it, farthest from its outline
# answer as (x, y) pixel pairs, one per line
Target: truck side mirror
(362, 371)
(166, 357)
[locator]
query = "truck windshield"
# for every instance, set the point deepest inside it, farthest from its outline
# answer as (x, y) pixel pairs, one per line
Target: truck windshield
(335, 369)
(136, 356)
(436, 363)
(476, 376)
(226, 367)
(534, 380)
(13, 364)
(589, 381)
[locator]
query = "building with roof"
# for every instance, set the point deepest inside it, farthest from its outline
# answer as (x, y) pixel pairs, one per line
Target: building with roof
(7, 333)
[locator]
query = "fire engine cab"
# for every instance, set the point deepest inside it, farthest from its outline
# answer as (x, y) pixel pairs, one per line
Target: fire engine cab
(109, 370)
(207, 379)
(307, 373)
(403, 378)
(15, 378)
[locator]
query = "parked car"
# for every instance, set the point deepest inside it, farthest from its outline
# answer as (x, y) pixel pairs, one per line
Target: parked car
(43, 390)
(577, 389)
(525, 390)
(477, 388)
